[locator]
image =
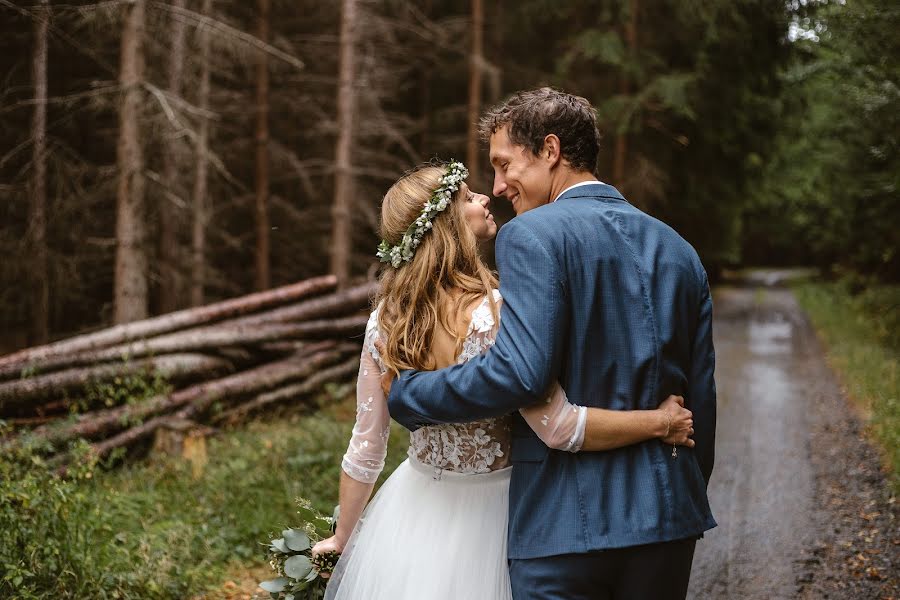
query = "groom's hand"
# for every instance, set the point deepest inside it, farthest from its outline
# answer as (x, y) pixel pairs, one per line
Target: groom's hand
(388, 378)
(681, 422)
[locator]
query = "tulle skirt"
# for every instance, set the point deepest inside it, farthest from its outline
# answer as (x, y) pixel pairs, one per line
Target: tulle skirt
(429, 536)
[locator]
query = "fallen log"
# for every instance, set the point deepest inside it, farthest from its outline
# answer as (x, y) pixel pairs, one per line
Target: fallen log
(205, 338)
(31, 357)
(173, 367)
(101, 423)
(289, 392)
(280, 347)
(277, 373)
(331, 305)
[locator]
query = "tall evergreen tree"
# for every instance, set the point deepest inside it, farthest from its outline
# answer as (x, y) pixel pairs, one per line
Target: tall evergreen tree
(130, 301)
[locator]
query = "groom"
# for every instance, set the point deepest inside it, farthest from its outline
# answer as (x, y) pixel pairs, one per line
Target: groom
(615, 306)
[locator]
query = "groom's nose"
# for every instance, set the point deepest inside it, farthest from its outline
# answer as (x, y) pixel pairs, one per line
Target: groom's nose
(499, 185)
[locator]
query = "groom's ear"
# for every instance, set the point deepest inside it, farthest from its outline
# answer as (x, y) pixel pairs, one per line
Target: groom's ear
(551, 151)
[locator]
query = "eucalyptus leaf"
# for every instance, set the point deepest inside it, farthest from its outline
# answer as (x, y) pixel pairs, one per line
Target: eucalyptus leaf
(280, 545)
(275, 586)
(297, 567)
(312, 575)
(296, 540)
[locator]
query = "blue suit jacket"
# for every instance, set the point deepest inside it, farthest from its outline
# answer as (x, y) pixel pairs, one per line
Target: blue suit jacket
(614, 305)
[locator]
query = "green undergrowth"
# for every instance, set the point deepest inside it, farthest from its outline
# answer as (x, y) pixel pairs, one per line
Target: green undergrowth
(149, 529)
(860, 334)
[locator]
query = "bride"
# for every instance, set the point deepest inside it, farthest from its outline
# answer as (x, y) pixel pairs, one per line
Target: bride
(437, 527)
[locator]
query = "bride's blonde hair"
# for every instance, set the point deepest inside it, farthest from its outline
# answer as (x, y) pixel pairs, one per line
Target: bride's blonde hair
(445, 275)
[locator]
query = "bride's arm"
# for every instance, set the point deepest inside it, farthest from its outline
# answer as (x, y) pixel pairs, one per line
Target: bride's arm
(353, 497)
(365, 454)
(565, 426)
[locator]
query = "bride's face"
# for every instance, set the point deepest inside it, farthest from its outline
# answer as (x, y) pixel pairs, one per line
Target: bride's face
(478, 216)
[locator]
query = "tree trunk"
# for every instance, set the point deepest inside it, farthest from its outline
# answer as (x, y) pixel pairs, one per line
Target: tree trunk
(21, 392)
(495, 79)
(130, 299)
(425, 95)
(99, 423)
(331, 305)
(170, 282)
(212, 337)
(247, 382)
(289, 392)
(621, 148)
(342, 234)
(476, 58)
(185, 439)
(262, 152)
(199, 200)
(40, 294)
(32, 357)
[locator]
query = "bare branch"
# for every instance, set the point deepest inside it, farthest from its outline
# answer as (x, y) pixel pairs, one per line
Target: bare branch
(231, 32)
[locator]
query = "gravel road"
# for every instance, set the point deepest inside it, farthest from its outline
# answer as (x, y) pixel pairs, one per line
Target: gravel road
(803, 510)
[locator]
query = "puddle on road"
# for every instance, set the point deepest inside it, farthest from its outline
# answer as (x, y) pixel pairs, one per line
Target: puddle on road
(770, 337)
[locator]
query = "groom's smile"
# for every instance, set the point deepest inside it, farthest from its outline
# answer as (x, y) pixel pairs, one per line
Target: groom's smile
(519, 176)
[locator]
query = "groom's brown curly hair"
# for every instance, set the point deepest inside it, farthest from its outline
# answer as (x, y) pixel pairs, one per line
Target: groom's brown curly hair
(532, 115)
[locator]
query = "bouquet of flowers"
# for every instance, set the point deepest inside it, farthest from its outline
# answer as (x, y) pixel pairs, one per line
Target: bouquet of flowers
(299, 575)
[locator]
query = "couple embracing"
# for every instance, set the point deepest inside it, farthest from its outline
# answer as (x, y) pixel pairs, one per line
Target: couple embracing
(562, 427)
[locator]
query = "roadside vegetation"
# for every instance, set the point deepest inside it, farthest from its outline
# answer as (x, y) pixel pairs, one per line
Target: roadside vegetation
(859, 329)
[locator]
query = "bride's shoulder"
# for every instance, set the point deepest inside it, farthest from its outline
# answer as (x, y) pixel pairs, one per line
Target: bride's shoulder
(372, 324)
(482, 316)
(373, 316)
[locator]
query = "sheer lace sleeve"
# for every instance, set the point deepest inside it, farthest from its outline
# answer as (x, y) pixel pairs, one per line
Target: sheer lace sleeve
(365, 455)
(559, 423)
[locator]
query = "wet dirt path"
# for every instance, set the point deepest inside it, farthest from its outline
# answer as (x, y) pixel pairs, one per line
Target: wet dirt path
(763, 483)
(804, 508)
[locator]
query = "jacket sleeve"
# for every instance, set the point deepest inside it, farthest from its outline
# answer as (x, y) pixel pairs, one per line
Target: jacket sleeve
(701, 395)
(525, 359)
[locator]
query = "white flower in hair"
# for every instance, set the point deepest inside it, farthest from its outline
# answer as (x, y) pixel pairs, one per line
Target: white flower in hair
(439, 201)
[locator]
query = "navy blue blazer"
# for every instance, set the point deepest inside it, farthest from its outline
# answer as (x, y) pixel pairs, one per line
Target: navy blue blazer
(614, 305)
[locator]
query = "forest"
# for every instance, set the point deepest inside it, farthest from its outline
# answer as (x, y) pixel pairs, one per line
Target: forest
(189, 209)
(159, 155)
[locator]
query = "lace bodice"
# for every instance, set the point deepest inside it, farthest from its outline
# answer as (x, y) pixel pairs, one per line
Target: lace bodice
(475, 447)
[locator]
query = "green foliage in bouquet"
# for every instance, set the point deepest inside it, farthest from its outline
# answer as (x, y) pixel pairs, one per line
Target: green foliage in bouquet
(299, 575)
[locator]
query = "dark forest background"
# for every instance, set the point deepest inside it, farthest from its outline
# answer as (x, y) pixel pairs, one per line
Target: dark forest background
(160, 154)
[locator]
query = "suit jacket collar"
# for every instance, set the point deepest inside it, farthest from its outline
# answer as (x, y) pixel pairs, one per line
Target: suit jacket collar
(597, 191)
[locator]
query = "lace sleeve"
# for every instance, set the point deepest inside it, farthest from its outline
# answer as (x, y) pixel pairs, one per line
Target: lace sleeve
(559, 423)
(365, 455)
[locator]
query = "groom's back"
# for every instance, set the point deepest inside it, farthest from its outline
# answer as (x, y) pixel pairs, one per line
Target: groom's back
(635, 288)
(636, 293)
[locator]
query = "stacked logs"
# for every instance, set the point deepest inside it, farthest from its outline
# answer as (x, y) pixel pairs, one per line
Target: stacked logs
(241, 355)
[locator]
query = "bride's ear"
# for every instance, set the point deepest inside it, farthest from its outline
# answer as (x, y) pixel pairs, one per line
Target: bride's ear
(551, 152)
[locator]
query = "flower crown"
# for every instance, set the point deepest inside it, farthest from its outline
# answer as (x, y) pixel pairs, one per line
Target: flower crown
(439, 201)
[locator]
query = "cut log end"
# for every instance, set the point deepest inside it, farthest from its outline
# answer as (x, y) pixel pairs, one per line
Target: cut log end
(183, 439)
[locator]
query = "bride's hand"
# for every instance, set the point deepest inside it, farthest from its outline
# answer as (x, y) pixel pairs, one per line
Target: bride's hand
(680, 421)
(332, 544)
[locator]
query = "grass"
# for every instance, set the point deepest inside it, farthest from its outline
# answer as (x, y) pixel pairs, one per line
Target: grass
(860, 332)
(150, 530)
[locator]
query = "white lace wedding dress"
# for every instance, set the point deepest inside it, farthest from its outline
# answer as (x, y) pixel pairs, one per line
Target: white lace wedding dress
(437, 527)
